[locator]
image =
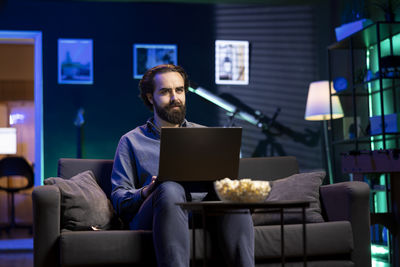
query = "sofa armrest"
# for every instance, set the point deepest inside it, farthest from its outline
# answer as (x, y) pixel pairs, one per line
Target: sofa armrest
(46, 225)
(349, 201)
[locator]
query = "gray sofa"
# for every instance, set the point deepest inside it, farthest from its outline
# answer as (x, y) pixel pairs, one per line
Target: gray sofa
(342, 240)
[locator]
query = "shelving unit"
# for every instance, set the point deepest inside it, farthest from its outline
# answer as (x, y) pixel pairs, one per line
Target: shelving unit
(373, 89)
(370, 62)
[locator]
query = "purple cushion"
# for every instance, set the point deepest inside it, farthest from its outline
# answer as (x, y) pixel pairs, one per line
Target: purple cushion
(302, 187)
(84, 205)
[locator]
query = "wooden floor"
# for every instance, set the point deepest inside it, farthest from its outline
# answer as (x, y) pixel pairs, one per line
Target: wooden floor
(16, 259)
(11, 257)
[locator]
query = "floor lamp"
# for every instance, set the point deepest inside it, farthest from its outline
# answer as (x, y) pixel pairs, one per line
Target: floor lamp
(8, 141)
(318, 109)
(8, 146)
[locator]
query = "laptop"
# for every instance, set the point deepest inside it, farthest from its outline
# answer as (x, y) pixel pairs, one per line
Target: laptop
(199, 154)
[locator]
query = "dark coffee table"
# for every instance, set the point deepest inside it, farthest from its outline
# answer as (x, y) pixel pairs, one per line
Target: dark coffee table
(215, 208)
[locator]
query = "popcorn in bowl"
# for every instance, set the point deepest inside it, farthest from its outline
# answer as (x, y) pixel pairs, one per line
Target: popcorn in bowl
(243, 190)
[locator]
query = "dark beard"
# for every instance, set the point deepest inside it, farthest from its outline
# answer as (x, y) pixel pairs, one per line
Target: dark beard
(170, 115)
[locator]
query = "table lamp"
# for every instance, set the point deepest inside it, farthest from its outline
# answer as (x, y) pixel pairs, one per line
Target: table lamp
(318, 109)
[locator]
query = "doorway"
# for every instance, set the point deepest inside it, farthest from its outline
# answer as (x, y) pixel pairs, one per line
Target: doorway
(34, 38)
(21, 109)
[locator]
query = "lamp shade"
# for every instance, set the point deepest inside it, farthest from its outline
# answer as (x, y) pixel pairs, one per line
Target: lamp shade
(8, 141)
(318, 107)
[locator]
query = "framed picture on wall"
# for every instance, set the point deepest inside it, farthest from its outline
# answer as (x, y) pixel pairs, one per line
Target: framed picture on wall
(231, 62)
(75, 61)
(146, 56)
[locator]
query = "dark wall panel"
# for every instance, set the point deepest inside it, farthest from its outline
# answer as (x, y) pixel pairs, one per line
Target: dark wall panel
(283, 61)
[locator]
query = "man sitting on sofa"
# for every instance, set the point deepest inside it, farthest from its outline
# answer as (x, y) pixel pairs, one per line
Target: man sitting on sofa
(147, 205)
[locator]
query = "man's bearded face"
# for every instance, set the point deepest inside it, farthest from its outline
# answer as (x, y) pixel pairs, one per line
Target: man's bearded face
(174, 112)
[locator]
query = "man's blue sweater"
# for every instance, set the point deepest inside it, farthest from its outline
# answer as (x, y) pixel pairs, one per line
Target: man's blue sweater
(136, 161)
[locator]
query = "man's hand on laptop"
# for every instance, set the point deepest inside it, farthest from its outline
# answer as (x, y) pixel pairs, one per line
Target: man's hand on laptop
(146, 191)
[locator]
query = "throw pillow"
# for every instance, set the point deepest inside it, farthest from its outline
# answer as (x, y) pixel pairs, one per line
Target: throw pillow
(302, 187)
(84, 205)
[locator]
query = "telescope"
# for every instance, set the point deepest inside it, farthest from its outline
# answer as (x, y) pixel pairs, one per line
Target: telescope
(256, 118)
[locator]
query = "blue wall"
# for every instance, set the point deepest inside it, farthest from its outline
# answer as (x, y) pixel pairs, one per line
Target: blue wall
(111, 104)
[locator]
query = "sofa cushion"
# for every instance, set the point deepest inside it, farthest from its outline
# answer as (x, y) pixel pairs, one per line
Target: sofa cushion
(118, 247)
(84, 205)
(302, 187)
(123, 247)
(323, 239)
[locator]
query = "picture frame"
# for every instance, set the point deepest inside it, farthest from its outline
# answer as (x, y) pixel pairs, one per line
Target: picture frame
(75, 61)
(146, 56)
(231, 62)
